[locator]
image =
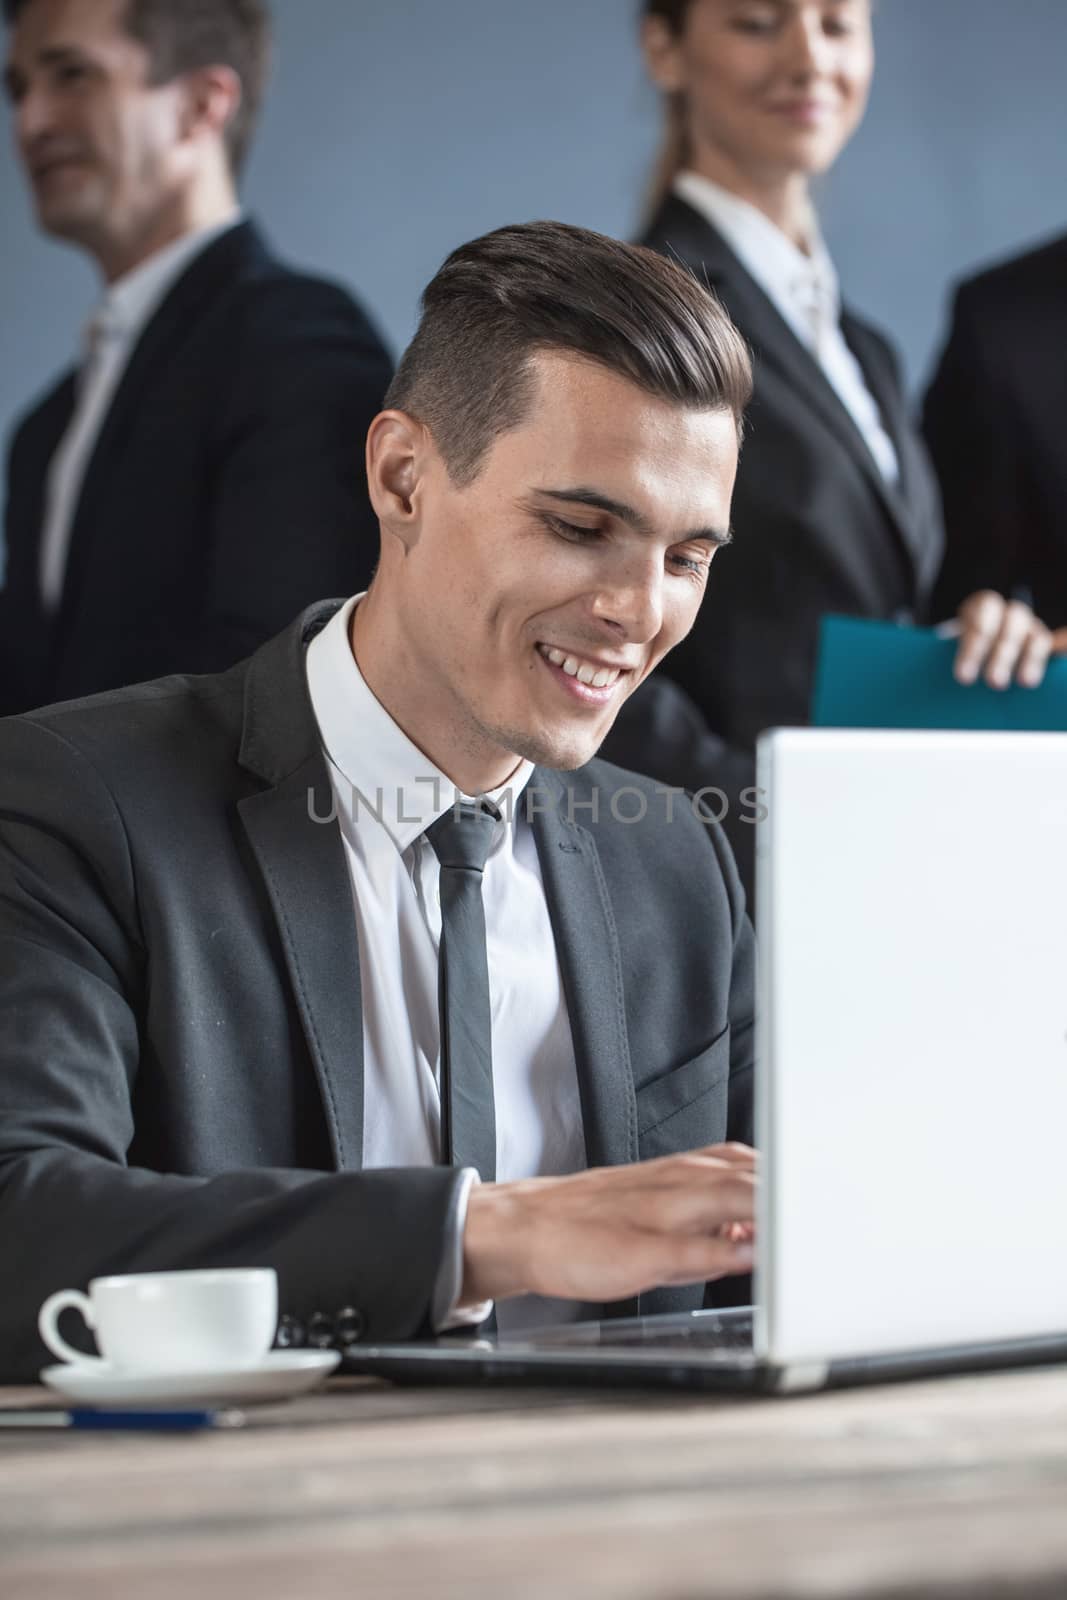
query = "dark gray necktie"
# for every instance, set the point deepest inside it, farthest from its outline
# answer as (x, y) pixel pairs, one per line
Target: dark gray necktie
(461, 841)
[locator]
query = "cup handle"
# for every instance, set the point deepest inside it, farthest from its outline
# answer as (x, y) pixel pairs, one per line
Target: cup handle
(48, 1318)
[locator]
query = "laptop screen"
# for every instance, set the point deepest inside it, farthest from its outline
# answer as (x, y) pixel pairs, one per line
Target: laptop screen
(912, 1041)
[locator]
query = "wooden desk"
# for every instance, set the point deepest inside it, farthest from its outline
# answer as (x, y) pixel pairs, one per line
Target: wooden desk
(954, 1487)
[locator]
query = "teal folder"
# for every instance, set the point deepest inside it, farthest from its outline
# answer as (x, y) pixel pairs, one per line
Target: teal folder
(885, 675)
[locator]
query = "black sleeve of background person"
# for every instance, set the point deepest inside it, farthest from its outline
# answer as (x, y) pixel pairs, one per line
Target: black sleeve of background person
(291, 521)
(970, 435)
(74, 985)
(23, 632)
(737, 1290)
(662, 734)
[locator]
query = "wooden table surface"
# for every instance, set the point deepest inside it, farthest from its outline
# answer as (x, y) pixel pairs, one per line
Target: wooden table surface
(956, 1487)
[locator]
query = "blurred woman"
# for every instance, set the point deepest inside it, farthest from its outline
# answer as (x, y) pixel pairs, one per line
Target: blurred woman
(836, 508)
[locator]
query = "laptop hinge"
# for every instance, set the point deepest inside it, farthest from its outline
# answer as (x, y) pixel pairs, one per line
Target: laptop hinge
(800, 1377)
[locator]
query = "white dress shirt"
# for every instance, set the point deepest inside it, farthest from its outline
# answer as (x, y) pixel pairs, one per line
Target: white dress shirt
(110, 336)
(387, 793)
(805, 291)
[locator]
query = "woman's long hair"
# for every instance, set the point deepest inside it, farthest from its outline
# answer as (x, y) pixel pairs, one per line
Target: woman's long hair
(674, 151)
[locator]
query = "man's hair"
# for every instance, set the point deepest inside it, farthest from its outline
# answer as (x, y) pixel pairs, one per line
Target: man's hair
(182, 35)
(546, 286)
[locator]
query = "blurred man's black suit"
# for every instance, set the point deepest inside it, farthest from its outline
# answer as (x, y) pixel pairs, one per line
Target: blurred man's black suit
(225, 490)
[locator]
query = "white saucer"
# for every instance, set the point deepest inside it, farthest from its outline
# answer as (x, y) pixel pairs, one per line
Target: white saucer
(280, 1374)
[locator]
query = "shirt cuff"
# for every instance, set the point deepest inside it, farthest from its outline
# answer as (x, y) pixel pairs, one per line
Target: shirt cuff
(445, 1311)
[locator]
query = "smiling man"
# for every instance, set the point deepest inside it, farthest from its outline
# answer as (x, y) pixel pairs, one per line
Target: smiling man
(294, 955)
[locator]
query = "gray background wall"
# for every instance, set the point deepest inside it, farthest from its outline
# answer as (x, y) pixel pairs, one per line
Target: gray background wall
(398, 128)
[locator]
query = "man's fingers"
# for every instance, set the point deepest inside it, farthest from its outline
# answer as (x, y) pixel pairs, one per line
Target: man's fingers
(696, 1260)
(738, 1232)
(655, 1259)
(740, 1155)
(698, 1204)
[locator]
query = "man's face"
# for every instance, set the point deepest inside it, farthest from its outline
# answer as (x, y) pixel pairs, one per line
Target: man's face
(99, 144)
(583, 544)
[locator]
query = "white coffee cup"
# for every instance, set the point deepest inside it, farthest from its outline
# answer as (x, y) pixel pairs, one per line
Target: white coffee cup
(171, 1321)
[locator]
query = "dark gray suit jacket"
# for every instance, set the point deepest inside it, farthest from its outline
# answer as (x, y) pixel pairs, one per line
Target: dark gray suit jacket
(180, 1028)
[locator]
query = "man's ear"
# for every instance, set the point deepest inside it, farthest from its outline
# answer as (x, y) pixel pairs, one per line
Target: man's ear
(398, 451)
(212, 98)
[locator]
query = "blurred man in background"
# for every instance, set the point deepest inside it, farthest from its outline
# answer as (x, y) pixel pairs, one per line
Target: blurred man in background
(200, 473)
(994, 424)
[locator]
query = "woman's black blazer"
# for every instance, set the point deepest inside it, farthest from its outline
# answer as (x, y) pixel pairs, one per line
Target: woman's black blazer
(816, 530)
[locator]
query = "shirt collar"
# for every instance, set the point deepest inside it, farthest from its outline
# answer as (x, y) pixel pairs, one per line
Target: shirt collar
(132, 299)
(786, 274)
(386, 777)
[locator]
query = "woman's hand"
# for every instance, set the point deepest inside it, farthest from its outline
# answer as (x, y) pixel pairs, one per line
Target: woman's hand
(1001, 640)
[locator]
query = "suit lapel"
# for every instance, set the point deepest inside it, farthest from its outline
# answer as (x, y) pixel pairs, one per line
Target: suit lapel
(684, 234)
(209, 274)
(587, 946)
(298, 847)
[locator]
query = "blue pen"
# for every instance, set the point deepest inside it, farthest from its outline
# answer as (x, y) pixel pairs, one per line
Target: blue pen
(123, 1421)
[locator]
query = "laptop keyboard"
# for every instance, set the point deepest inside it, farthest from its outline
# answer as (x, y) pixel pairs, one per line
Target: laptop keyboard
(707, 1333)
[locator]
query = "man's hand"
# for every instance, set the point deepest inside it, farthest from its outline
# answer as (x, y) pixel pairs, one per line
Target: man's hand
(1000, 639)
(614, 1231)
(1059, 642)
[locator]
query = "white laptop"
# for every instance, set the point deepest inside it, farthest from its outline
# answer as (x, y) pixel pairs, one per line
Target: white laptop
(911, 1084)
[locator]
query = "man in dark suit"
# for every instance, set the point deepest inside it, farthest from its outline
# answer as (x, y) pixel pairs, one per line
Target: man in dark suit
(292, 954)
(994, 424)
(201, 472)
